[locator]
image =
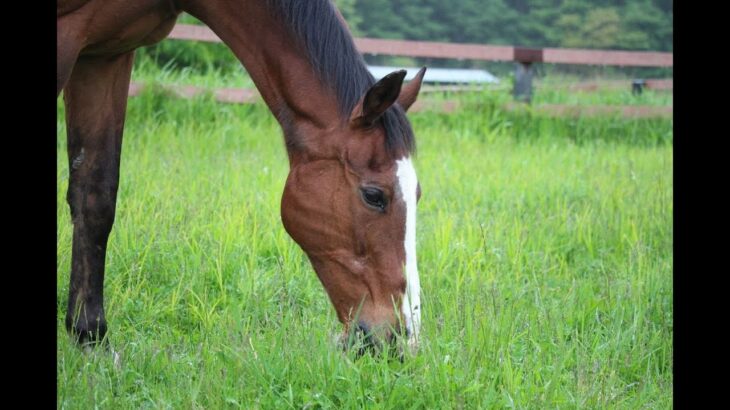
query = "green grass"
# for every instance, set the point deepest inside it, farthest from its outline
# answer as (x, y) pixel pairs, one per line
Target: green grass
(544, 246)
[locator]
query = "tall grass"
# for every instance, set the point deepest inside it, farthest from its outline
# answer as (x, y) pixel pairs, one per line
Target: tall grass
(544, 246)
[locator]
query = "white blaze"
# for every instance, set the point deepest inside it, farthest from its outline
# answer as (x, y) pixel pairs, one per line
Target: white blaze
(411, 307)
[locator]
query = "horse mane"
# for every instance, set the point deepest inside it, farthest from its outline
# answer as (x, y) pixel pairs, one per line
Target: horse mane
(331, 50)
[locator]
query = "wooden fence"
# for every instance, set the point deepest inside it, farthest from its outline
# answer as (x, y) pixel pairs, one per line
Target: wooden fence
(434, 49)
(525, 58)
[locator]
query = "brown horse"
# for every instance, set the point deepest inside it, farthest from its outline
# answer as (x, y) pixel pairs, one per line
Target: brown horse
(350, 197)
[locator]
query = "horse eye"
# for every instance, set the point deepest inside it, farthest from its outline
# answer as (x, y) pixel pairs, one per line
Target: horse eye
(374, 197)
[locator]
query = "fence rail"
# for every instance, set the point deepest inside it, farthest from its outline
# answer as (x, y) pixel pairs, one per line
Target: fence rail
(249, 96)
(434, 49)
(524, 57)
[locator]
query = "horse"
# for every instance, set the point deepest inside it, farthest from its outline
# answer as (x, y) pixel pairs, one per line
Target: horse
(350, 197)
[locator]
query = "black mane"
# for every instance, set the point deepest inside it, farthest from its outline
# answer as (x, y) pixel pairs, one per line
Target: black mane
(331, 50)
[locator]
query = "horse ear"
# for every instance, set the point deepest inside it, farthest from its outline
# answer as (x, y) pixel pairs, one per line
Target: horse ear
(410, 91)
(378, 98)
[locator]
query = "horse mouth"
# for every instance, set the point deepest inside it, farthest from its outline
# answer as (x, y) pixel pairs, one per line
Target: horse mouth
(363, 341)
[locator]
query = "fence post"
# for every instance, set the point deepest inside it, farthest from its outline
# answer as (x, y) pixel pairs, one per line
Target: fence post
(524, 70)
(637, 86)
(523, 82)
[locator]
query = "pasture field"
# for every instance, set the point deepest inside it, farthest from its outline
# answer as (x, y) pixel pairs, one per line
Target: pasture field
(544, 247)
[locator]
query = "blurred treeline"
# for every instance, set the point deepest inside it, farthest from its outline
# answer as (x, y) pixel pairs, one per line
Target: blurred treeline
(604, 24)
(599, 24)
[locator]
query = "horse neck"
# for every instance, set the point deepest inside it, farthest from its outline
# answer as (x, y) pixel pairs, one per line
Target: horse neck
(276, 63)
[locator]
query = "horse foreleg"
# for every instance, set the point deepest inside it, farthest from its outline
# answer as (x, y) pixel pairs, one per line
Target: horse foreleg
(68, 45)
(96, 99)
